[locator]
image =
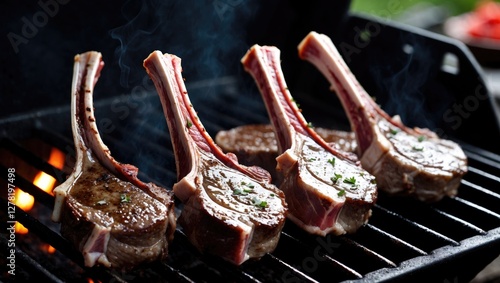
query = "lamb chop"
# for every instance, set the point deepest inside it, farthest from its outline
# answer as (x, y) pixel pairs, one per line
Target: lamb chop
(256, 144)
(229, 210)
(113, 218)
(408, 161)
(325, 188)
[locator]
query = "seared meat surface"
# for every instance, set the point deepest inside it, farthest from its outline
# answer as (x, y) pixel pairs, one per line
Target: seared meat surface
(110, 216)
(257, 145)
(409, 161)
(229, 210)
(325, 188)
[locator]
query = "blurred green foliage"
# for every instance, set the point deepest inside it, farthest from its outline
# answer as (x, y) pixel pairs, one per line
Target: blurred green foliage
(393, 8)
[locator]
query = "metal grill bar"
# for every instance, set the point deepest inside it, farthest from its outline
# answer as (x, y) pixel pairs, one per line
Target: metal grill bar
(29, 157)
(469, 212)
(488, 180)
(41, 196)
(400, 229)
(216, 268)
(298, 274)
(54, 239)
(431, 217)
(32, 266)
(424, 237)
(313, 260)
(349, 255)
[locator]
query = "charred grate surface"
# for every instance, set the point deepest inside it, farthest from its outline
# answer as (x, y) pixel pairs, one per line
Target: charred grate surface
(403, 236)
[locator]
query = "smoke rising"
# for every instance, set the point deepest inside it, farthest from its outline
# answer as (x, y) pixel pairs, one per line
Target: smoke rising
(404, 82)
(209, 36)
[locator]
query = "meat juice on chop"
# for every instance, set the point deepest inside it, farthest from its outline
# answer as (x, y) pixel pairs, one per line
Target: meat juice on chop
(229, 210)
(256, 144)
(106, 212)
(325, 188)
(408, 161)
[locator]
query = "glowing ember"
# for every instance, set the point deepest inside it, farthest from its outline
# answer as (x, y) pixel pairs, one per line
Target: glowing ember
(56, 158)
(43, 181)
(50, 249)
(25, 201)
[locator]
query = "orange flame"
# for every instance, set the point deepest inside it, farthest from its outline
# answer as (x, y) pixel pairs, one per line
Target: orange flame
(25, 201)
(43, 181)
(56, 158)
(50, 249)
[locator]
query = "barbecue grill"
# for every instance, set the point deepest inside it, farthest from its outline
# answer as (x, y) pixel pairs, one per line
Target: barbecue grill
(430, 80)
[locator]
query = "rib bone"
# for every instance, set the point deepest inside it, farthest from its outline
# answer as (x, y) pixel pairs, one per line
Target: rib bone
(404, 160)
(230, 210)
(315, 176)
(112, 217)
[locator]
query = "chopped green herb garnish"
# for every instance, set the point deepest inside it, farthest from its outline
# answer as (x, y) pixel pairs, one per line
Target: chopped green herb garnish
(244, 191)
(312, 159)
(272, 195)
(101, 202)
(124, 198)
(239, 192)
(248, 185)
(335, 178)
(259, 203)
(417, 148)
(341, 193)
(188, 124)
(421, 138)
(351, 181)
(393, 131)
(310, 125)
(332, 161)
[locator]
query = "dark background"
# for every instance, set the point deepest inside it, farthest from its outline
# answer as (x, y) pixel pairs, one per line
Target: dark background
(41, 38)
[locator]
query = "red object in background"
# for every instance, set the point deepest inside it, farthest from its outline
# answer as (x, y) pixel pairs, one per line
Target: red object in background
(485, 21)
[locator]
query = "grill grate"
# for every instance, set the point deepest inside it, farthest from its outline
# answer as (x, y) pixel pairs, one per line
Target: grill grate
(403, 236)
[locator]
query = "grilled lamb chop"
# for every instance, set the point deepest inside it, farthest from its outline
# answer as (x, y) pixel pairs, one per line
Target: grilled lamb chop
(404, 160)
(256, 144)
(112, 217)
(326, 190)
(230, 210)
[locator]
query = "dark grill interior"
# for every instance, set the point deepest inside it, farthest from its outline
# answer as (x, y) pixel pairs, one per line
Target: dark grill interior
(404, 241)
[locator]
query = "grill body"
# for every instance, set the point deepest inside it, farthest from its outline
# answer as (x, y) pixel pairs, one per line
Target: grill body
(404, 241)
